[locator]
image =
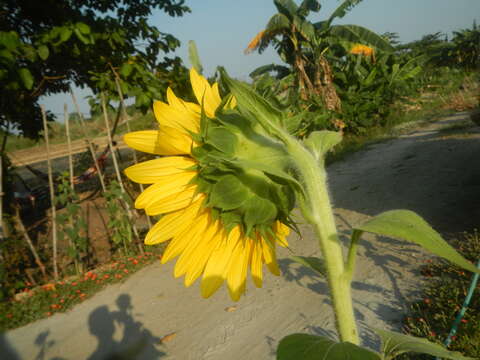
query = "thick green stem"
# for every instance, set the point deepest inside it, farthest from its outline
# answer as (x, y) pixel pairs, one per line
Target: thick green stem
(317, 210)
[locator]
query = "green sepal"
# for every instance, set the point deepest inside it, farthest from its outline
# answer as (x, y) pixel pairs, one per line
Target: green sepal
(257, 211)
(270, 118)
(228, 193)
(222, 139)
(406, 224)
(312, 347)
(394, 344)
(313, 263)
(230, 219)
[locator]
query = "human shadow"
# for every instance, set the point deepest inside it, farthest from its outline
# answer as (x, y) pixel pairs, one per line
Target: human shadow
(136, 342)
(7, 351)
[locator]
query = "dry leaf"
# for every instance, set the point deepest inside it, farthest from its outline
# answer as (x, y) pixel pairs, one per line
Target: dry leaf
(230, 308)
(168, 337)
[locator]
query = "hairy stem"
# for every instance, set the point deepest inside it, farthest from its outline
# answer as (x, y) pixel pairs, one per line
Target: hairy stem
(317, 210)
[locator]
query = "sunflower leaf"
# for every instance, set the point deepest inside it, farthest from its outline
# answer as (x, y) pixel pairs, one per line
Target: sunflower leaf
(311, 262)
(394, 344)
(312, 347)
(222, 139)
(405, 224)
(320, 142)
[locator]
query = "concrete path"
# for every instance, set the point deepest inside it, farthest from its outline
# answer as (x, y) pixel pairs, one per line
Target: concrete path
(434, 173)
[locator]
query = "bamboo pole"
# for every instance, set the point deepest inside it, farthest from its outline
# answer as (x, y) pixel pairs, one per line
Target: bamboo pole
(2, 194)
(69, 146)
(89, 143)
(127, 121)
(117, 172)
(78, 269)
(52, 196)
(27, 238)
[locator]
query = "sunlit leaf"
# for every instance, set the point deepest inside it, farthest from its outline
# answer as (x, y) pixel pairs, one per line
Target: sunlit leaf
(312, 347)
(394, 344)
(406, 224)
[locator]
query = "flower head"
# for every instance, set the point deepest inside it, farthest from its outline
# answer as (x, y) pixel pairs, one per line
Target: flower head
(216, 204)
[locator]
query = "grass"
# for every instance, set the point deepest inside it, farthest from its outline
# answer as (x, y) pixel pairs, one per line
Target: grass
(447, 286)
(44, 301)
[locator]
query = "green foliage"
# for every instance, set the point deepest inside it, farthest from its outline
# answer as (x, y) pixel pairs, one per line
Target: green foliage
(71, 223)
(46, 47)
(44, 301)
(121, 230)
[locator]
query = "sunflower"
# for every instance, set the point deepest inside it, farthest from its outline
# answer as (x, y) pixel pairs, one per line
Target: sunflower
(198, 235)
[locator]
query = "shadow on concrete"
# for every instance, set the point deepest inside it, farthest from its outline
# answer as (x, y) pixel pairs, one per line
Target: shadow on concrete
(136, 342)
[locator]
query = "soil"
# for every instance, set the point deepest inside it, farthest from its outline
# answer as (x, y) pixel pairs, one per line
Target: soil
(432, 170)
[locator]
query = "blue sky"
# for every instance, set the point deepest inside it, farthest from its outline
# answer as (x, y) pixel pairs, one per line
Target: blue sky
(223, 28)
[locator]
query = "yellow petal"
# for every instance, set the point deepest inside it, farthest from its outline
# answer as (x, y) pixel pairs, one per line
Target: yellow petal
(166, 141)
(180, 119)
(174, 202)
(204, 93)
(237, 272)
(198, 255)
(173, 223)
(151, 171)
(182, 239)
(191, 108)
(164, 188)
(215, 270)
(257, 263)
(270, 257)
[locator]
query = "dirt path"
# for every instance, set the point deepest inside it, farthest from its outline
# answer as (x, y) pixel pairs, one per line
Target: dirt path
(433, 172)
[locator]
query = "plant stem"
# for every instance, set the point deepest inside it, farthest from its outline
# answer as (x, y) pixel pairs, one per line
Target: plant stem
(317, 211)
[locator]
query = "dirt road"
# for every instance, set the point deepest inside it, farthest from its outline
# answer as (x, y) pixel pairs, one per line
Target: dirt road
(431, 171)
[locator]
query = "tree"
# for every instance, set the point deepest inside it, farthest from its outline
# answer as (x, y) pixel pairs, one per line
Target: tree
(45, 46)
(304, 45)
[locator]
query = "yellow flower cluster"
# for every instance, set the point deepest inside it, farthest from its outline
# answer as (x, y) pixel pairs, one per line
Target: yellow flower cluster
(360, 49)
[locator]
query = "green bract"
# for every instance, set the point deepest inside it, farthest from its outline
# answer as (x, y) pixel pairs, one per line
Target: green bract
(244, 171)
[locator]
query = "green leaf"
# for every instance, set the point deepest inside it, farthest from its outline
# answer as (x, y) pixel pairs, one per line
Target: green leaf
(277, 23)
(312, 347)
(229, 193)
(194, 57)
(26, 77)
(356, 33)
(43, 52)
(405, 224)
(320, 142)
(65, 34)
(313, 263)
(84, 28)
(341, 10)
(81, 37)
(125, 70)
(394, 344)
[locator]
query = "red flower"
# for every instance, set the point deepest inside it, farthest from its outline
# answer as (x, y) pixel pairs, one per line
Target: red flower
(9, 316)
(464, 321)
(125, 271)
(106, 276)
(74, 283)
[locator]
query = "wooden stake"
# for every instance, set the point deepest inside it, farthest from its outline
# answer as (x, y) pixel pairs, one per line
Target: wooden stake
(69, 146)
(117, 172)
(24, 232)
(78, 269)
(52, 195)
(127, 121)
(89, 143)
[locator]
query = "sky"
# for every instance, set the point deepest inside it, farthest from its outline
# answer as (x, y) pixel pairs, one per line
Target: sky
(222, 30)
